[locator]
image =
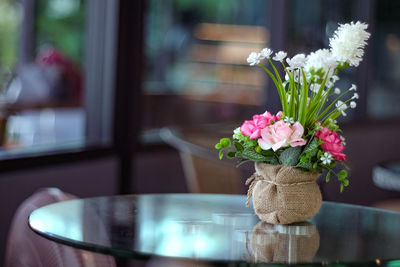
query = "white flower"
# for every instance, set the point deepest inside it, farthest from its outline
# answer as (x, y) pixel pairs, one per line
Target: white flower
(348, 42)
(353, 87)
(355, 96)
(316, 77)
(321, 60)
(265, 53)
(335, 78)
(254, 58)
(296, 62)
(332, 122)
(337, 91)
(341, 106)
(353, 104)
(315, 87)
(318, 126)
(279, 56)
(326, 158)
(297, 76)
(288, 120)
(332, 80)
(343, 140)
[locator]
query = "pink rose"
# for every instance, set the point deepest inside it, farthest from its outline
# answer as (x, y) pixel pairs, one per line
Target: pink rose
(281, 134)
(332, 143)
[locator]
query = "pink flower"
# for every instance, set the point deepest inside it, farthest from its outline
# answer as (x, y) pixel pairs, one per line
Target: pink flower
(253, 128)
(281, 134)
(271, 117)
(332, 143)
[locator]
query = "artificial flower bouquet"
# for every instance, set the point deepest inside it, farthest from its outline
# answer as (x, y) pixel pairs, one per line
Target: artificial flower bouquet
(291, 148)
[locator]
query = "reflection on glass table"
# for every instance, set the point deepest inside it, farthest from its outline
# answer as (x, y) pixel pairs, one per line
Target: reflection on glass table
(219, 229)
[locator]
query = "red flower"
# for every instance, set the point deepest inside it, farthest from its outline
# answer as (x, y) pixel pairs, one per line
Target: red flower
(332, 143)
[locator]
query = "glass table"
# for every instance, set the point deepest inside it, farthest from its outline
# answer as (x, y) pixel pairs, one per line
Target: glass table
(220, 230)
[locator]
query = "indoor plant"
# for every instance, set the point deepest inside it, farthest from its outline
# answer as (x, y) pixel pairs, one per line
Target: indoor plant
(291, 148)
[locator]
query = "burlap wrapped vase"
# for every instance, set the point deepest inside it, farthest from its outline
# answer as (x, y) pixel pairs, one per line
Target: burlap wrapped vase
(283, 194)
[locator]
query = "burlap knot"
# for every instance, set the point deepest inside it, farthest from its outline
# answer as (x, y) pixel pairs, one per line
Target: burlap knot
(254, 178)
(283, 194)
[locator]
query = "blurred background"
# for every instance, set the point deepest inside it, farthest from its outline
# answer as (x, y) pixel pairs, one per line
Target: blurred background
(110, 97)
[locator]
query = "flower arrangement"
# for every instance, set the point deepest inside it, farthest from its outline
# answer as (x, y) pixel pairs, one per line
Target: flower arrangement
(305, 134)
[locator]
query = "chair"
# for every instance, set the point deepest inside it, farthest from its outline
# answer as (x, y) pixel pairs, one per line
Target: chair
(204, 172)
(26, 248)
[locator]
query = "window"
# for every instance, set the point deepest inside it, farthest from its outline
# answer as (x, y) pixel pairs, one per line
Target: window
(195, 60)
(384, 93)
(59, 92)
(195, 56)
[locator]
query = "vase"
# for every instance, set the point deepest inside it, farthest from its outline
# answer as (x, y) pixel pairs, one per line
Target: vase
(283, 194)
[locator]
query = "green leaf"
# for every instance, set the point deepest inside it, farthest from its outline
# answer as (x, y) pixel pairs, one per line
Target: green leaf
(238, 146)
(249, 153)
(221, 154)
(303, 100)
(225, 142)
(342, 175)
(258, 149)
(305, 165)
(268, 153)
(341, 188)
(218, 146)
(311, 146)
(328, 176)
(290, 156)
(231, 154)
(346, 182)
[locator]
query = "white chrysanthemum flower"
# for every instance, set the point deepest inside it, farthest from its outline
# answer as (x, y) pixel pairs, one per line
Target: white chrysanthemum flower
(353, 87)
(321, 60)
(296, 62)
(341, 106)
(348, 42)
(353, 104)
(355, 96)
(279, 56)
(326, 158)
(253, 59)
(337, 91)
(265, 53)
(335, 78)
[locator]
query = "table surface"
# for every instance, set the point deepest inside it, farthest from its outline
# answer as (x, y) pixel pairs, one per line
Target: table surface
(218, 229)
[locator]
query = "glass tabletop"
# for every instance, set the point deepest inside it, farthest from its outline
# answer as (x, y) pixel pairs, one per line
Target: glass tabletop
(219, 229)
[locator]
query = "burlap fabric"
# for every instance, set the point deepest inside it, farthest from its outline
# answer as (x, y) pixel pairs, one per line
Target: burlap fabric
(284, 244)
(283, 194)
